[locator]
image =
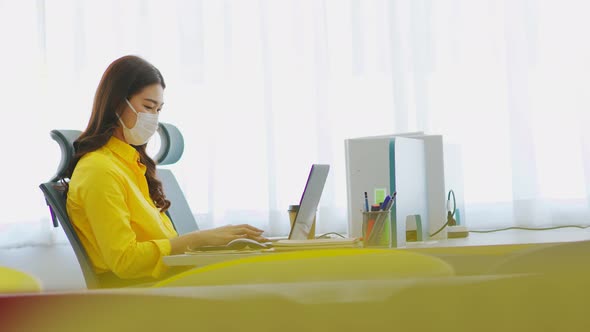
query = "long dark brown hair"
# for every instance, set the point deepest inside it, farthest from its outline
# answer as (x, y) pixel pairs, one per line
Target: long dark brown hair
(123, 78)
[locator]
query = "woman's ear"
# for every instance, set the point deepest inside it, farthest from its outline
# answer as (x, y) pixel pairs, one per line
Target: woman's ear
(119, 111)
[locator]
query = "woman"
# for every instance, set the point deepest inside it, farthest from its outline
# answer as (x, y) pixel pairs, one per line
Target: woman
(115, 201)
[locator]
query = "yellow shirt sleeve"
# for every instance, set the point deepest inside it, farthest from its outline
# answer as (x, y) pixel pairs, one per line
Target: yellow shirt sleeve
(104, 197)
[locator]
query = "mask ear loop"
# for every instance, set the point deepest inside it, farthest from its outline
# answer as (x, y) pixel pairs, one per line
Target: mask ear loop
(133, 109)
(131, 106)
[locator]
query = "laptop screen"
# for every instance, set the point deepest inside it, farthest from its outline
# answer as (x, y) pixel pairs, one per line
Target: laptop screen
(309, 202)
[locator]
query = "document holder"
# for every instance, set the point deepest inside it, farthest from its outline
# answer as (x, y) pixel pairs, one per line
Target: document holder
(409, 164)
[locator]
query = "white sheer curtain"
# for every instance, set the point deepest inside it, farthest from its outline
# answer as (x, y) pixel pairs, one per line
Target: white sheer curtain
(262, 89)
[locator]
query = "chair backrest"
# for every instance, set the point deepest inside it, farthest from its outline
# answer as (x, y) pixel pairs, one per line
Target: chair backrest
(171, 150)
(55, 197)
(65, 139)
(56, 200)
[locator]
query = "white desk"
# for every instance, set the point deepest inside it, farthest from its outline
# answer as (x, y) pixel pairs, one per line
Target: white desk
(514, 236)
(474, 239)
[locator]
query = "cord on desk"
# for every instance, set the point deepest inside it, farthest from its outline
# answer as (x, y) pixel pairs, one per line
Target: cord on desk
(440, 229)
(529, 228)
(450, 213)
(325, 236)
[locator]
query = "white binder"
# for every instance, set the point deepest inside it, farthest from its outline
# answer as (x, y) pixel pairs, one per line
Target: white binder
(411, 164)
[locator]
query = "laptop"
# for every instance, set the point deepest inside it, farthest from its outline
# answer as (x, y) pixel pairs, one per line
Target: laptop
(309, 202)
(298, 236)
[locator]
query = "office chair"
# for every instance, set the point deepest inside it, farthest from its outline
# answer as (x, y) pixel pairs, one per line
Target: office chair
(55, 198)
(171, 150)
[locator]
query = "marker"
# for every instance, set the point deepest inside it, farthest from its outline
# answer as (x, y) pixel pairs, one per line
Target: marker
(366, 202)
(391, 202)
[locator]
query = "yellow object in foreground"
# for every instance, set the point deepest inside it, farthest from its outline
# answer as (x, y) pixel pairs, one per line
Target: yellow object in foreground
(315, 265)
(14, 281)
(534, 288)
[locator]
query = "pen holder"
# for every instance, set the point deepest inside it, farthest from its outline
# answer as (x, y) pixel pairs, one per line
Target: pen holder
(375, 228)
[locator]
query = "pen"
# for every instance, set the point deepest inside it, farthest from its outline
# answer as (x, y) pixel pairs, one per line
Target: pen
(366, 202)
(385, 202)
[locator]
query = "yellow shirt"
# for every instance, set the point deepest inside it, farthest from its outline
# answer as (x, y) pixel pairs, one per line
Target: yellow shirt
(115, 218)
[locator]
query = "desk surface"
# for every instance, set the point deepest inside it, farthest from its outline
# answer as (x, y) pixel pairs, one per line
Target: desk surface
(474, 239)
(513, 236)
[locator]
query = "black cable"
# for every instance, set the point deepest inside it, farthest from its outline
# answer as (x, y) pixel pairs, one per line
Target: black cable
(449, 213)
(451, 192)
(529, 228)
(440, 229)
(331, 233)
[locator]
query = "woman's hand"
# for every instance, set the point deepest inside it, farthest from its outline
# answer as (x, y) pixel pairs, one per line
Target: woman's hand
(223, 235)
(215, 237)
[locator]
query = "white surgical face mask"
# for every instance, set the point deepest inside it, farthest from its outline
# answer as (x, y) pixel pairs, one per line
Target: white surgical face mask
(145, 127)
